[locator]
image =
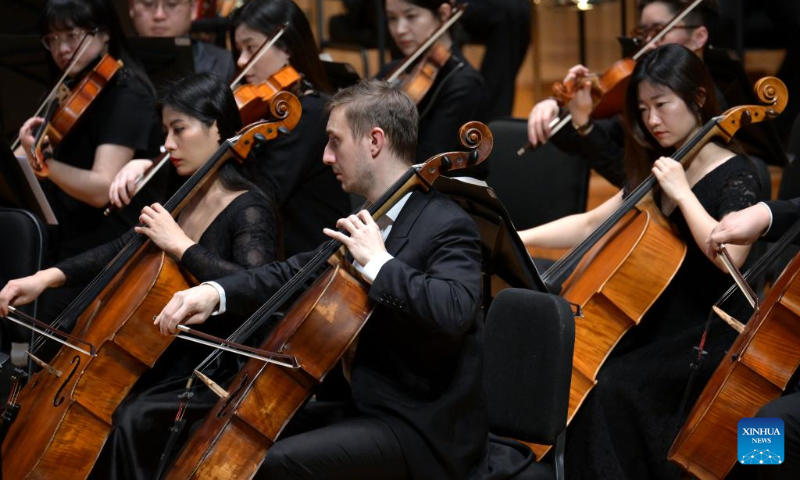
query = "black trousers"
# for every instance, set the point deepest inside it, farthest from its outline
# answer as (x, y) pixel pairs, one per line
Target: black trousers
(787, 408)
(346, 446)
(504, 26)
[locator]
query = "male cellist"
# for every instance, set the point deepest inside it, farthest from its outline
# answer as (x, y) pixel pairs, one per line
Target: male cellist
(418, 408)
(769, 220)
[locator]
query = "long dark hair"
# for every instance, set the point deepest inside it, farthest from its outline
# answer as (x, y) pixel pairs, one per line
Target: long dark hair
(265, 15)
(680, 70)
(205, 97)
(90, 15)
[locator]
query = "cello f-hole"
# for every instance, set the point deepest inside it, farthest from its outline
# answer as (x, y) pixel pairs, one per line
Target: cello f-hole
(76, 360)
(234, 394)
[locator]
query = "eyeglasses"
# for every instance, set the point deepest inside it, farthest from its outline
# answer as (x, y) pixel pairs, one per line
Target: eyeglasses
(649, 31)
(72, 39)
(168, 5)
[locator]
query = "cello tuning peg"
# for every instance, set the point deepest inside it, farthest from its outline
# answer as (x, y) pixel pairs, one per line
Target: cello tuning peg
(260, 138)
(473, 156)
(447, 164)
(283, 131)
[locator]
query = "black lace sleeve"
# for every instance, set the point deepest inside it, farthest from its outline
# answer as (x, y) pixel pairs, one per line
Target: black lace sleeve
(253, 234)
(81, 268)
(740, 189)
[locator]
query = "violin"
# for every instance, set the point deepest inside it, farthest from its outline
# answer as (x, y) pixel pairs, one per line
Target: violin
(418, 81)
(66, 408)
(317, 330)
(602, 273)
(608, 88)
(61, 117)
(254, 102)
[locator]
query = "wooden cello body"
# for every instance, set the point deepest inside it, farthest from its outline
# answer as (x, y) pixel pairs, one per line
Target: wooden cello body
(613, 293)
(65, 419)
(755, 371)
(66, 409)
(236, 435)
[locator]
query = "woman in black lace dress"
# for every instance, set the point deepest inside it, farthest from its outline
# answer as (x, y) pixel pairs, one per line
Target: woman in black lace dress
(227, 226)
(306, 191)
(627, 423)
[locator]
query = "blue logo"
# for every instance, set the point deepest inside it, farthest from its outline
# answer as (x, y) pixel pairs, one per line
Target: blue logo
(761, 441)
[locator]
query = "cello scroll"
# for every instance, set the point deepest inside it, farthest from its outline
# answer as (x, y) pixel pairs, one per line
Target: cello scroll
(771, 91)
(475, 136)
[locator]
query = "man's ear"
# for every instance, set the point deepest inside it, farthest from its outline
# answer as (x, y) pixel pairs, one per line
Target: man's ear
(698, 39)
(377, 141)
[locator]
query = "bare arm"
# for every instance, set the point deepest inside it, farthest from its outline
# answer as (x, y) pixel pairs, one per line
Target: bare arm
(566, 232)
(91, 186)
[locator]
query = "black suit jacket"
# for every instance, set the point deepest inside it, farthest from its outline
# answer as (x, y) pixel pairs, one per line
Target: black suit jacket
(418, 364)
(784, 214)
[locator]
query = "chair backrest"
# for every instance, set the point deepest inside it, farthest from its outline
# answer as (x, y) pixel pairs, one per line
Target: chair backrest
(22, 252)
(528, 345)
(543, 185)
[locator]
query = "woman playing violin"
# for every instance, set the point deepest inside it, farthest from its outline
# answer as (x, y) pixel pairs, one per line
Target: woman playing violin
(291, 166)
(457, 94)
(668, 99)
(119, 124)
(227, 227)
(601, 141)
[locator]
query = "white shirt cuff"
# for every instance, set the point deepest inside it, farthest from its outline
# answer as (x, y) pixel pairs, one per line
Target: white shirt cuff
(221, 309)
(371, 269)
(770, 217)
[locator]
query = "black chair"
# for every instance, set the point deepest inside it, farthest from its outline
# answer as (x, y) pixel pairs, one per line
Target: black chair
(528, 345)
(21, 255)
(543, 185)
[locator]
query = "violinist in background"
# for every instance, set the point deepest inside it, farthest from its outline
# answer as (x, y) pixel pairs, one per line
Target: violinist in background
(289, 167)
(173, 18)
(228, 226)
(458, 92)
(119, 125)
(601, 142)
(626, 424)
(768, 221)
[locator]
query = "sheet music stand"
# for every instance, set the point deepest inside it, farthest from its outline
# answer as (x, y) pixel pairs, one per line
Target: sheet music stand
(21, 190)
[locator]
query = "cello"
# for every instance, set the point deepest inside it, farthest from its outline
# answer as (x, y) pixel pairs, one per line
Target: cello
(602, 273)
(318, 330)
(66, 409)
(756, 370)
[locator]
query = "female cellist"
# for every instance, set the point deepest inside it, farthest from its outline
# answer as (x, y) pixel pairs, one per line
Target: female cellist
(625, 426)
(291, 168)
(229, 226)
(458, 92)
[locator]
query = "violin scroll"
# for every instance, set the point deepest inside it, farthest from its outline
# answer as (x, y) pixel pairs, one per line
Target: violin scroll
(476, 137)
(772, 91)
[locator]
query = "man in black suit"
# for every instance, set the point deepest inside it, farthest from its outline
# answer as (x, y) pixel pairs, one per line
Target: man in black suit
(418, 408)
(769, 220)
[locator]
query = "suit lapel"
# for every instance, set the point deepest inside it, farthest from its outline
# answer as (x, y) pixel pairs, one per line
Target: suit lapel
(398, 236)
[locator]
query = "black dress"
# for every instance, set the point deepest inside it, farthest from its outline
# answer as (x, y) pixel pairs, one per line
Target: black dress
(306, 189)
(626, 425)
(243, 235)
